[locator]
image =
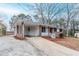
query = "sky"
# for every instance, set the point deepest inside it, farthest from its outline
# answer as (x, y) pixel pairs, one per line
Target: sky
(7, 10)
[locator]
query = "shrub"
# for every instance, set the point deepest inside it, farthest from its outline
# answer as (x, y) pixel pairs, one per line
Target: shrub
(61, 35)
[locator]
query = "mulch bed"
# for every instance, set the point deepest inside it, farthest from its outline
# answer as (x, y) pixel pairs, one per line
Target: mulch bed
(53, 39)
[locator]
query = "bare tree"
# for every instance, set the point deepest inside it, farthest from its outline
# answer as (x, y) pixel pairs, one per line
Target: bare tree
(12, 21)
(61, 22)
(48, 11)
(70, 15)
(40, 11)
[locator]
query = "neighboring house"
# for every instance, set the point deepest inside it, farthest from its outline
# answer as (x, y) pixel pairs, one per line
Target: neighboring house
(28, 28)
(2, 29)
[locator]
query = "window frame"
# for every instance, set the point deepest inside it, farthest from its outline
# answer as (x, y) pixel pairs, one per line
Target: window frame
(43, 29)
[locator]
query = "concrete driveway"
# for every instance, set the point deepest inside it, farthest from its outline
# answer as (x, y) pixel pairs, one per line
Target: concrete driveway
(51, 48)
(9, 46)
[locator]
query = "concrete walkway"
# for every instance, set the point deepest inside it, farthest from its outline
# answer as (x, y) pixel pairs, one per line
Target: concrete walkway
(51, 48)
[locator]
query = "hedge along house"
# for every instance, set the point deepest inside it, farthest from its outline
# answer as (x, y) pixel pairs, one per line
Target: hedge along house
(24, 28)
(2, 29)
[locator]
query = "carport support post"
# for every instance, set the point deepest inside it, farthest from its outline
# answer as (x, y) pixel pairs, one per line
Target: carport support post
(49, 31)
(23, 30)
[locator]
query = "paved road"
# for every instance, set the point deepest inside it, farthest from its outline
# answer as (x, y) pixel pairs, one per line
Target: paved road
(51, 48)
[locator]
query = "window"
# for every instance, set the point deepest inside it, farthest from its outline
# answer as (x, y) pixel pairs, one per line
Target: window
(43, 29)
(55, 29)
(29, 29)
(50, 30)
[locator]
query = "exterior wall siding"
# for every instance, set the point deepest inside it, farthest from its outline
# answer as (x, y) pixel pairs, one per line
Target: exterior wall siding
(34, 31)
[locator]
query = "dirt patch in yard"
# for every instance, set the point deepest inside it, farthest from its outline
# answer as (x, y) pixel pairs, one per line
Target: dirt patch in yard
(67, 41)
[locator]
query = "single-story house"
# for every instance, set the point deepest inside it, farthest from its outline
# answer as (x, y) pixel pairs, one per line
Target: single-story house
(2, 29)
(24, 28)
